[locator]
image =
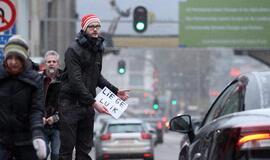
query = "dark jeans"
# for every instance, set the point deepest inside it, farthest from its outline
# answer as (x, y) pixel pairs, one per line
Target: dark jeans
(76, 130)
(25, 152)
(52, 136)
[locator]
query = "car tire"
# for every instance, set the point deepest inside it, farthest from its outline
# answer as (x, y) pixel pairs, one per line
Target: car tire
(151, 158)
(99, 158)
(161, 141)
(183, 155)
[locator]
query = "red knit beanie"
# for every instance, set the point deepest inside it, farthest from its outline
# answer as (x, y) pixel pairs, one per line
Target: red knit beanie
(87, 19)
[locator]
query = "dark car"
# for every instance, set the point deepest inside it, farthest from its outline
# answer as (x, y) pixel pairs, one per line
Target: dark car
(237, 125)
(152, 131)
(157, 124)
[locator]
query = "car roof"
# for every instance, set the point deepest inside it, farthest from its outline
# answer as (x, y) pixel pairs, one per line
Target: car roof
(256, 117)
(103, 117)
(125, 121)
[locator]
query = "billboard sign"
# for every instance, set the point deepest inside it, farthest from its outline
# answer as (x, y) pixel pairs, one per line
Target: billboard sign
(230, 23)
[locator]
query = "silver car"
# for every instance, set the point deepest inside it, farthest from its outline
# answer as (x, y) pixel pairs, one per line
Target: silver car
(100, 121)
(124, 138)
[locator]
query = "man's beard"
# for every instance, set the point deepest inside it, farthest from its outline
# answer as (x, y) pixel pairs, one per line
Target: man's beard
(51, 72)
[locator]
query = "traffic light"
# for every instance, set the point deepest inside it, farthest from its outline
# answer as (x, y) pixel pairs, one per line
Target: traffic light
(155, 104)
(121, 67)
(140, 19)
(173, 102)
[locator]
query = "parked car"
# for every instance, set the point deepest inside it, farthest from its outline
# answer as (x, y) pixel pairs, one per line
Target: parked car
(124, 138)
(236, 127)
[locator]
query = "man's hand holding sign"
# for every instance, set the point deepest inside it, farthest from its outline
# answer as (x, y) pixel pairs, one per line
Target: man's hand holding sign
(107, 102)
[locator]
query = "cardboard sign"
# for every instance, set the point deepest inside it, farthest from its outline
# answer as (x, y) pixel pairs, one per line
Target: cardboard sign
(114, 104)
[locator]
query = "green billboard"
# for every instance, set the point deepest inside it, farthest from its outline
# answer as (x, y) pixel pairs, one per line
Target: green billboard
(225, 23)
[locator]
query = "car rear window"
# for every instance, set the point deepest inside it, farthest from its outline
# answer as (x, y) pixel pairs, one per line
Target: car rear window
(257, 94)
(125, 128)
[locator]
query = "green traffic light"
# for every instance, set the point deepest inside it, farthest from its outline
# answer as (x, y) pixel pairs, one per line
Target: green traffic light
(155, 106)
(140, 19)
(121, 70)
(174, 102)
(140, 26)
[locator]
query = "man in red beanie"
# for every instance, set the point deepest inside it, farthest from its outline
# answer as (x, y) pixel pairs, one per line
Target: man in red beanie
(82, 75)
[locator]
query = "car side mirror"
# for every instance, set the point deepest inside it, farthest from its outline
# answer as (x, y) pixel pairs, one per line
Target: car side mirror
(181, 124)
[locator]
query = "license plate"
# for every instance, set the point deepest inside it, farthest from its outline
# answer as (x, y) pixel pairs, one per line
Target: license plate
(126, 141)
(265, 143)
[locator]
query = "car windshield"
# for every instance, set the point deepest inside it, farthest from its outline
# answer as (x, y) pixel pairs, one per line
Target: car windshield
(258, 91)
(126, 128)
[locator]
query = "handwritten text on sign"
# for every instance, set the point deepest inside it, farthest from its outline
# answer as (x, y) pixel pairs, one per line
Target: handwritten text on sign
(114, 104)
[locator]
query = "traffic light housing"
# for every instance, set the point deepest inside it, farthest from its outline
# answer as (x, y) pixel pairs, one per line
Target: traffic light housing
(140, 19)
(121, 67)
(155, 103)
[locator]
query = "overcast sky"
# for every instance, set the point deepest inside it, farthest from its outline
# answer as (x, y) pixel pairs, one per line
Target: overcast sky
(163, 10)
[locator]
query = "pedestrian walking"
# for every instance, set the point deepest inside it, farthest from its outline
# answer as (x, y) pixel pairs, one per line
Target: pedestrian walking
(51, 81)
(21, 105)
(83, 62)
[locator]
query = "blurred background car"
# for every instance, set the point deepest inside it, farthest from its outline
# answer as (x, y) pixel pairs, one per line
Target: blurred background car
(157, 124)
(153, 132)
(99, 123)
(237, 126)
(160, 131)
(124, 138)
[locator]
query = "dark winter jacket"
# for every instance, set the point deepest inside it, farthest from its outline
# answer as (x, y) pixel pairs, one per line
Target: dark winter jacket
(21, 106)
(83, 60)
(51, 91)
